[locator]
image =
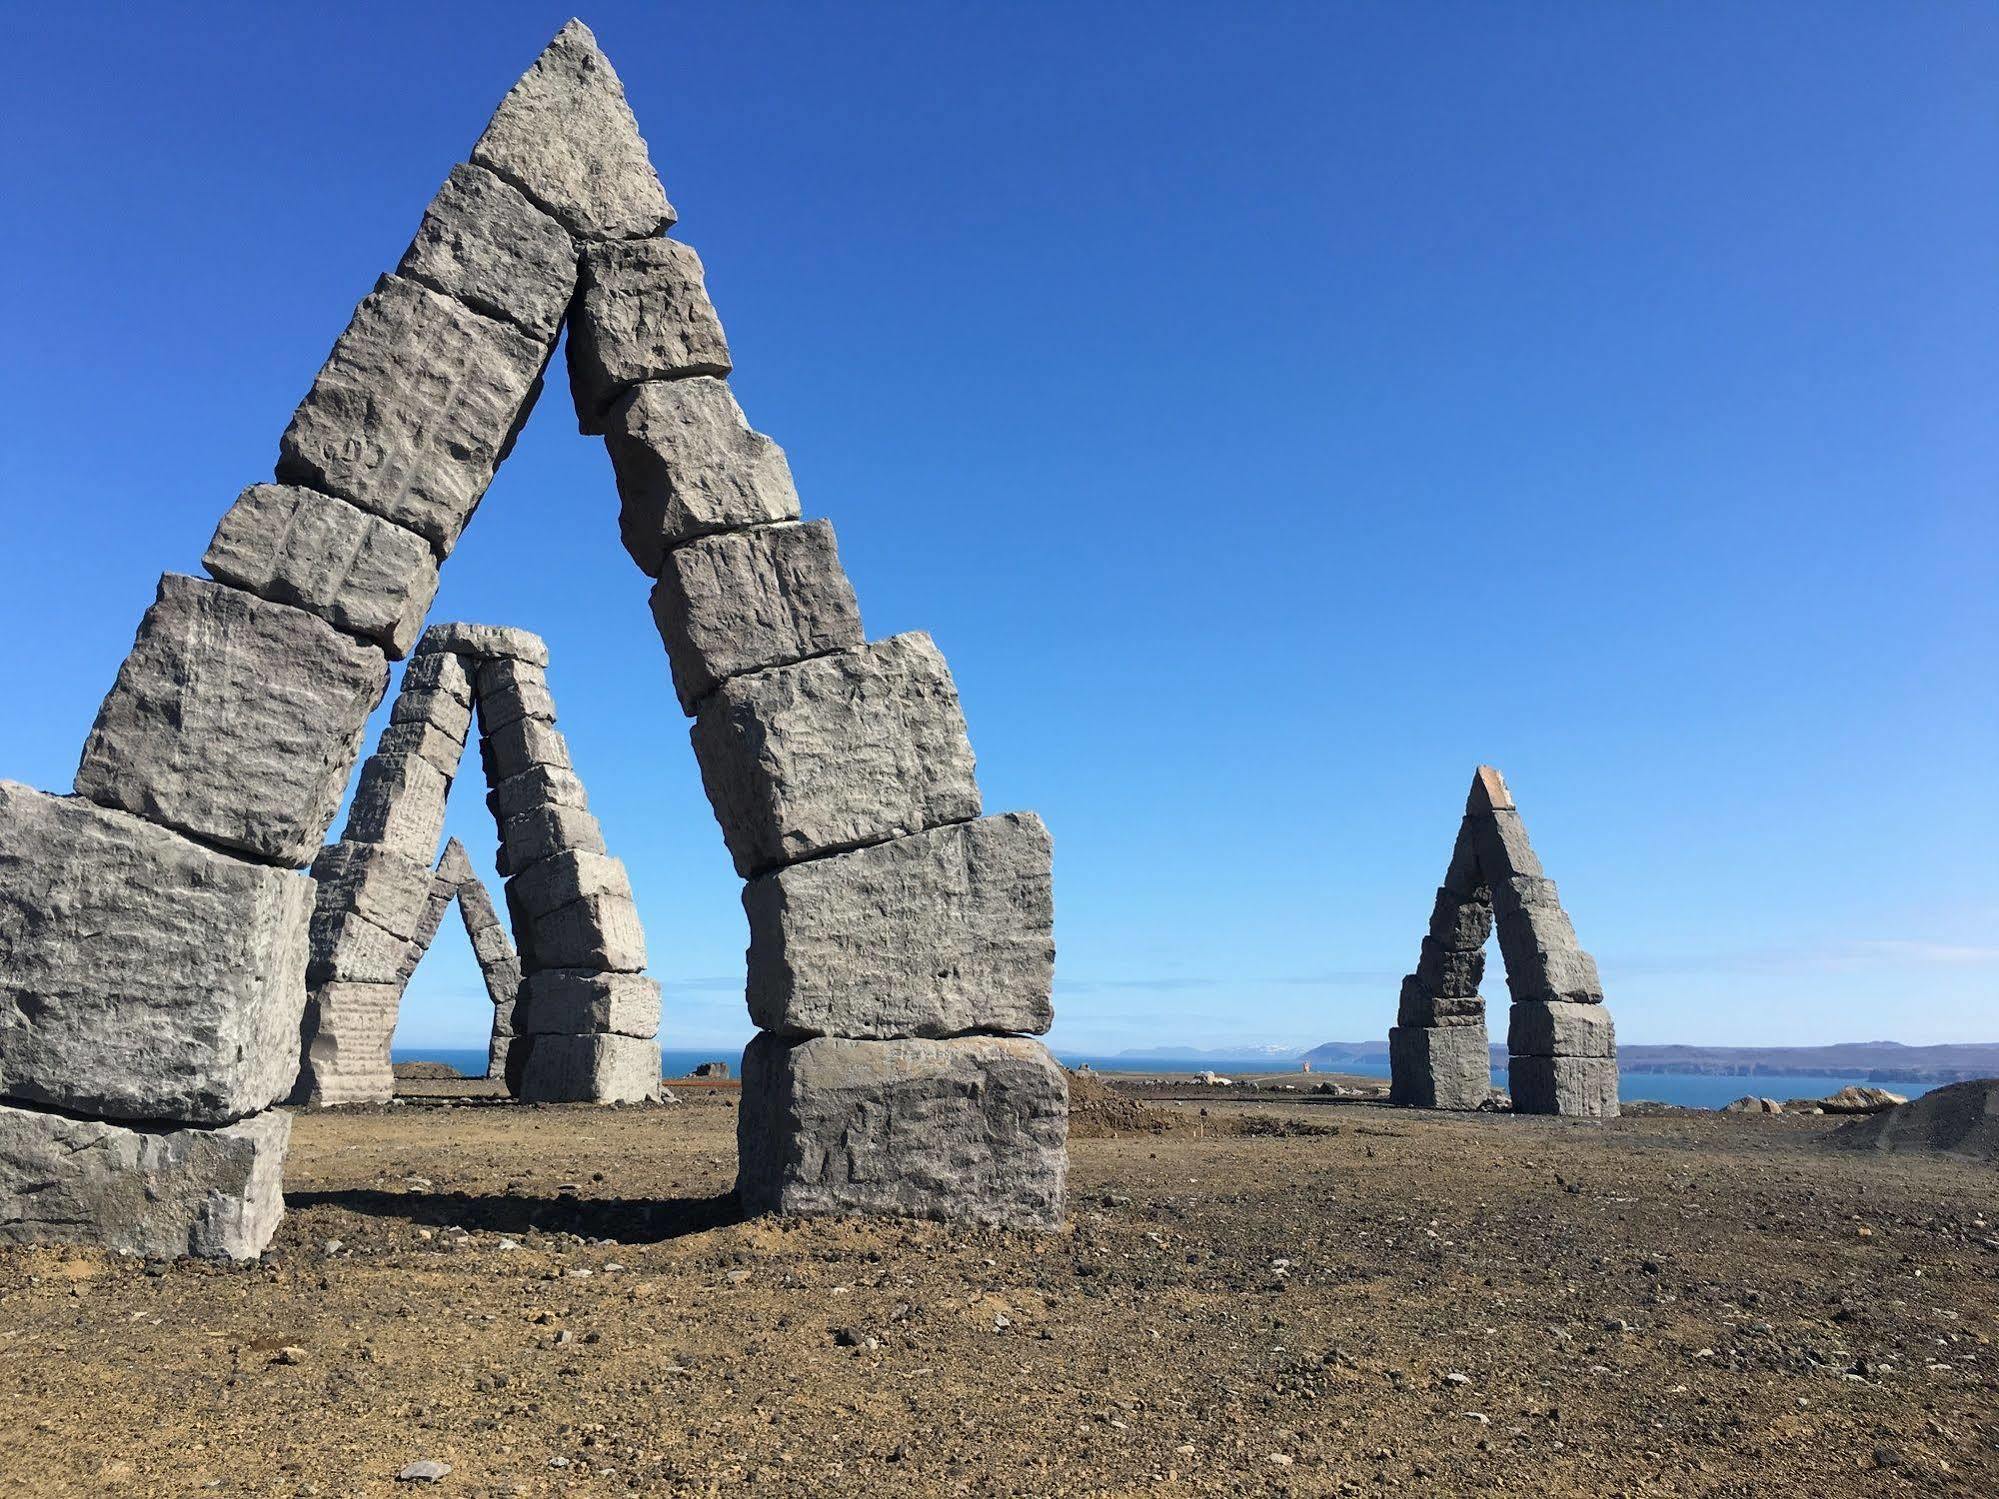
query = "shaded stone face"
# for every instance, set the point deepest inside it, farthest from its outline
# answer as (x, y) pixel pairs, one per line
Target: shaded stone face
(747, 600)
(835, 752)
(142, 976)
(480, 642)
(544, 833)
(482, 242)
(213, 1193)
(361, 574)
(386, 887)
(582, 1002)
(973, 1129)
(1458, 923)
(1440, 1067)
(411, 412)
(936, 934)
(1417, 1008)
(348, 1030)
(1561, 1030)
(234, 720)
(599, 931)
(543, 786)
(642, 314)
(589, 1069)
(510, 690)
(565, 136)
(1581, 1087)
(399, 804)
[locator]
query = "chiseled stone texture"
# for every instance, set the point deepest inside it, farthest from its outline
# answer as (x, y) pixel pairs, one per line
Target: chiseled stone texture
(589, 1069)
(510, 690)
(399, 804)
(543, 786)
(1579, 1087)
(569, 876)
(544, 832)
(1439, 1067)
(436, 709)
(583, 1002)
(233, 719)
(642, 313)
(1500, 841)
(971, 1129)
(413, 409)
(348, 1028)
(213, 1193)
(565, 136)
(142, 976)
(439, 670)
(1460, 924)
(358, 572)
(936, 934)
(482, 642)
(1448, 971)
(1561, 1030)
(482, 242)
(835, 752)
(424, 741)
(1419, 1009)
(688, 464)
(386, 887)
(523, 745)
(347, 947)
(746, 600)
(599, 931)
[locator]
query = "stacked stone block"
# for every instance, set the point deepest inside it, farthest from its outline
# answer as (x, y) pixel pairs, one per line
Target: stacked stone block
(1561, 1045)
(901, 948)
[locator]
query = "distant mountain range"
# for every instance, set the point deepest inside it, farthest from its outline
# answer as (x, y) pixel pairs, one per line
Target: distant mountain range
(1876, 1061)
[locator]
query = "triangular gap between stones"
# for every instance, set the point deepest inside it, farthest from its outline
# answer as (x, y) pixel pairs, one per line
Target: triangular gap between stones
(454, 882)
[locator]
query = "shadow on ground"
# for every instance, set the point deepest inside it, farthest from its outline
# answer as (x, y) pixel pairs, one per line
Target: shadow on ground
(624, 1220)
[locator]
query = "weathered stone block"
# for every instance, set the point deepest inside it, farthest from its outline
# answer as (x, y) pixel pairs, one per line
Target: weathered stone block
(439, 671)
(358, 572)
(571, 875)
(583, 1002)
(936, 934)
(590, 1069)
(1464, 879)
(1418, 1009)
(439, 710)
(545, 832)
(642, 314)
(233, 719)
(1447, 971)
(348, 1029)
(399, 804)
(1580, 1087)
(565, 136)
(348, 948)
(1500, 841)
(377, 883)
(1459, 923)
(213, 1193)
(543, 786)
(746, 600)
(521, 746)
(511, 690)
(442, 894)
(688, 464)
(1561, 1030)
(422, 741)
(482, 642)
(1439, 1067)
(972, 1129)
(413, 409)
(142, 976)
(835, 752)
(482, 242)
(599, 931)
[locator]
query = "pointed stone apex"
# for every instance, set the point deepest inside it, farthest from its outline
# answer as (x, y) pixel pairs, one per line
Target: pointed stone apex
(565, 136)
(454, 865)
(1488, 793)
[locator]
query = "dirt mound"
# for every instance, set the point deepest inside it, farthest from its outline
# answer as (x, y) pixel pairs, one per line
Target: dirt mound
(1960, 1120)
(1860, 1101)
(1097, 1111)
(426, 1072)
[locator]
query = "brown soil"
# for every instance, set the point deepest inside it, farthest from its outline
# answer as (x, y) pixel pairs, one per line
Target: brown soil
(1678, 1303)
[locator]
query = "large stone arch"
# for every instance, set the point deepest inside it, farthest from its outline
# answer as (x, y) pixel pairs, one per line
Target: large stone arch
(154, 930)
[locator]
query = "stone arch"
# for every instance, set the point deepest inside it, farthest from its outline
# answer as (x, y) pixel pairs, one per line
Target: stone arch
(1561, 1046)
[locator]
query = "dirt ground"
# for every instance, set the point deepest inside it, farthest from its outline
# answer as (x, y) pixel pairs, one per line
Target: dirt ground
(1300, 1296)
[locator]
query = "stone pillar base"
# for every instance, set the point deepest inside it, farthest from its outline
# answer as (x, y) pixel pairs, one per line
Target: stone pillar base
(1581, 1087)
(1439, 1067)
(589, 1069)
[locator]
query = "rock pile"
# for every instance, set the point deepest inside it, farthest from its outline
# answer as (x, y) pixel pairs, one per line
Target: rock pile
(893, 930)
(1961, 1119)
(1562, 1050)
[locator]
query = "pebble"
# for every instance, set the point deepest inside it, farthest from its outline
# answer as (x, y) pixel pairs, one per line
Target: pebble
(424, 1470)
(291, 1353)
(1455, 1378)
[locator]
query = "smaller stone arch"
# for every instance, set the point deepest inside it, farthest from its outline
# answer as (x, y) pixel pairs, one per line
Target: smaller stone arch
(455, 880)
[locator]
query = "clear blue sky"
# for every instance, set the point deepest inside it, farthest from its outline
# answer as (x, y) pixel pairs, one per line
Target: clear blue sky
(1272, 410)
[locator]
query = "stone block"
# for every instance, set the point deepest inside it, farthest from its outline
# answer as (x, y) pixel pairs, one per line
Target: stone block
(545, 832)
(565, 136)
(835, 752)
(142, 976)
(360, 573)
(973, 1129)
(235, 720)
(590, 1069)
(1439, 1067)
(385, 887)
(524, 745)
(442, 893)
(439, 671)
(482, 242)
(1562, 975)
(511, 690)
(1579, 1087)
(211, 1193)
(1488, 793)
(543, 786)
(1446, 971)
(569, 876)
(422, 741)
(688, 464)
(583, 1002)
(438, 710)
(746, 600)
(936, 934)
(413, 409)
(1459, 923)
(642, 313)
(482, 643)
(1500, 841)
(599, 931)
(349, 948)
(1419, 1010)
(348, 1029)
(399, 804)
(1561, 1030)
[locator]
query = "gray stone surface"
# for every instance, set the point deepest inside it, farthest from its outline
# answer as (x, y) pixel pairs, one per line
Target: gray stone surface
(510, 690)
(1421, 1010)
(600, 931)
(545, 832)
(360, 573)
(583, 1002)
(835, 752)
(973, 1129)
(1579, 1087)
(437, 670)
(482, 642)
(1561, 1030)
(522, 746)
(590, 1069)
(544, 786)
(348, 1029)
(233, 719)
(399, 804)
(349, 948)
(746, 600)
(215, 1193)
(482, 242)
(937, 934)
(565, 136)
(1500, 841)
(688, 464)
(438, 710)
(1439, 1067)
(386, 887)
(413, 409)
(422, 741)
(443, 893)
(569, 876)
(1449, 971)
(642, 313)
(1460, 923)
(142, 976)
